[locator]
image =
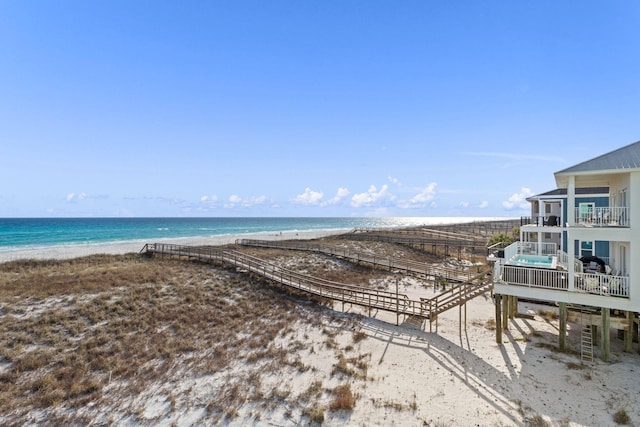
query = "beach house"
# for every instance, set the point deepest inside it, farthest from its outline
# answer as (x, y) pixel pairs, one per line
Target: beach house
(580, 250)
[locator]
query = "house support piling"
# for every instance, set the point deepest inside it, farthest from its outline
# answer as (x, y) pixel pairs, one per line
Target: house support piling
(498, 303)
(513, 306)
(628, 333)
(562, 335)
(505, 312)
(605, 335)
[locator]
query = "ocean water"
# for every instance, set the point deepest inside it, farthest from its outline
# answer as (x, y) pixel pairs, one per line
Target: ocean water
(39, 233)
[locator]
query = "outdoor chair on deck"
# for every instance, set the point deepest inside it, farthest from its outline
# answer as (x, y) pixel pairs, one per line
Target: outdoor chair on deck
(552, 221)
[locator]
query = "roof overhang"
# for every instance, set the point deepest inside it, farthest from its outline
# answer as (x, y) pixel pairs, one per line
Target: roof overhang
(602, 178)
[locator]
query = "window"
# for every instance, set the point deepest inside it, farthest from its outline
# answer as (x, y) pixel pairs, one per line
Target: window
(586, 249)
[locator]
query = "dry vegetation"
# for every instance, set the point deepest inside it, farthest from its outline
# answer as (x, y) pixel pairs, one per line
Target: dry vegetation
(100, 334)
(100, 331)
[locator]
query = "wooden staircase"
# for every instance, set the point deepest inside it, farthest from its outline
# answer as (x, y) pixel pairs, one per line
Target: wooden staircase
(586, 338)
(459, 294)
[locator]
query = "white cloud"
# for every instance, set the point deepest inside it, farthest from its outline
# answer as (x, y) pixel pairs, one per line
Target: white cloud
(518, 200)
(254, 200)
(209, 199)
(427, 194)
(341, 194)
(73, 197)
(395, 181)
(464, 204)
(371, 197)
(421, 199)
(308, 198)
(483, 205)
(235, 200)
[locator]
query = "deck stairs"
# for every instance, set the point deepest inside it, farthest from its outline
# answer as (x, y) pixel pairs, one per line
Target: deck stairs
(586, 337)
(459, 295)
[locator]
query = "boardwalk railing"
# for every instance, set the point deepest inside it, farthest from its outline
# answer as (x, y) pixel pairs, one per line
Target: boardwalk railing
(345, 293)
(423, 242)
(424, 233)
(403, 264)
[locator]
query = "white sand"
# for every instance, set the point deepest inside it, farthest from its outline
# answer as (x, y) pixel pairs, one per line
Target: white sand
(417, 378)
(452, 377)
(414, 377)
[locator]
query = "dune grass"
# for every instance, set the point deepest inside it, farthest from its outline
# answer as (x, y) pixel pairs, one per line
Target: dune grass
(100, 331)
(69, 329)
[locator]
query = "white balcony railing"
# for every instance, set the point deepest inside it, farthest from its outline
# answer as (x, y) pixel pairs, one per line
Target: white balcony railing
(603, 284)
(529, 248)
(558, 280)
(603, 217)
(534, 277)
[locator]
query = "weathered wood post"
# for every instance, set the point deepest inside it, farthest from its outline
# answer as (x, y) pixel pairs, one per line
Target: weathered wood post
(605, 335)
(498, 301)
(505, 313)
(397, 304)
(562, 335)
(628, 332)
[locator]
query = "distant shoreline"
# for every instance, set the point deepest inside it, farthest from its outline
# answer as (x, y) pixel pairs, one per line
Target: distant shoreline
(72, 249)
(128, 246)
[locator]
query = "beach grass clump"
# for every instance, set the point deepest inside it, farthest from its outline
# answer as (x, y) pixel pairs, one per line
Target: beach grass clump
(315, 414)
(359, 336)
(490, 325)
(355, 367)
(547, 315)
(344, 399)
(622, 417)
(537, 420)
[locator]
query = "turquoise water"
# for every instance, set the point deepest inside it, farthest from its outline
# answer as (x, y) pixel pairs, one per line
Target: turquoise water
(27, 233)
(543, 261)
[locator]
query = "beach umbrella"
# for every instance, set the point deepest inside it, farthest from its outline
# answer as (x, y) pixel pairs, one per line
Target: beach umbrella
(591, 258)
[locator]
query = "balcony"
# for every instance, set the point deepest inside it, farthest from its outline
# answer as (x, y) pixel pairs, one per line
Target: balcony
(603, 284)
(536, 265)
(541, 221)
(558, 280)
(603, 217)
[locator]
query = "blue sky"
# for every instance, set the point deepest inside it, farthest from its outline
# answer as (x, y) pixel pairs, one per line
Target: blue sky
(307, 108)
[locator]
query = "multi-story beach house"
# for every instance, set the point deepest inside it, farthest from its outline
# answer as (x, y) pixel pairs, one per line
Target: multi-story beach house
(580, 249)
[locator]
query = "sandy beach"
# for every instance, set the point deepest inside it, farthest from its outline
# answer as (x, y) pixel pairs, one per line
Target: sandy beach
(69, 251)
(393, 374)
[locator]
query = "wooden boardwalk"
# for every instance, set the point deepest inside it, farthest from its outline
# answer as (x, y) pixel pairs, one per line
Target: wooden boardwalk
(446, 246)
(422, 309)
(429, 271)
(472, 236)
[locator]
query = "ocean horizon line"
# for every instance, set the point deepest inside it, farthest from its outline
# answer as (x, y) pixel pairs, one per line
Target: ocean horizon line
(25, 234)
